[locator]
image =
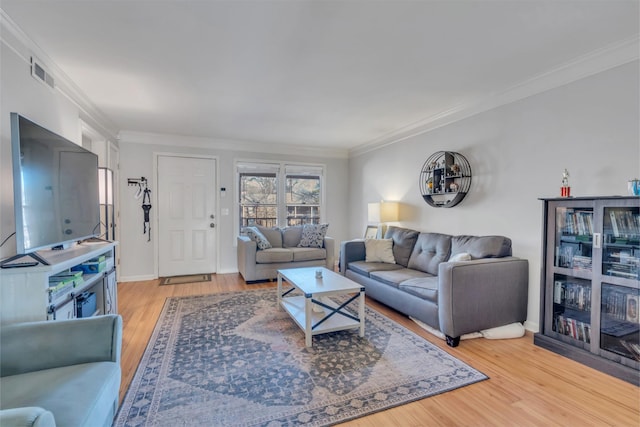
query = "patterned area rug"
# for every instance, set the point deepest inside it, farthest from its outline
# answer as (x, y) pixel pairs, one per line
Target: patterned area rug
(179, 280)
(236, 359)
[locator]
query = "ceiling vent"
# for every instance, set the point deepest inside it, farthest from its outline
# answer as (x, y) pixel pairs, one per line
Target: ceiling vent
(40, 73)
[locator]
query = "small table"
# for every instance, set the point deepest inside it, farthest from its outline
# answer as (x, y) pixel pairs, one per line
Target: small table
(328, 316)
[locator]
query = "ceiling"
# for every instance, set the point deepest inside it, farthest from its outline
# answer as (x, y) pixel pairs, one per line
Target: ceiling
(324, 74)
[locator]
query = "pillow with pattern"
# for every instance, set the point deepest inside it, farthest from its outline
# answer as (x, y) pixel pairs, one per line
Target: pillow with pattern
(254, 234)
(313, 235)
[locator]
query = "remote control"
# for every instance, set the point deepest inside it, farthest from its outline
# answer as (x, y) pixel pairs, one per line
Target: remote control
(20, 264)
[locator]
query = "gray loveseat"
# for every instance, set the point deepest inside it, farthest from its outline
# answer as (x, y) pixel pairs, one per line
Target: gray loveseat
(60, 373)
(454, 297)
(281, 250)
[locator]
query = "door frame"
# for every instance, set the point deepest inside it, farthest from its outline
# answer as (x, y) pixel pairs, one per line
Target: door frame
(154, 201)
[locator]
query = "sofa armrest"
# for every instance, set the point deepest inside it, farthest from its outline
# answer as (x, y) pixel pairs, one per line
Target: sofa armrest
(351, 251)
(330, 246)
(32, 346)
(28, 416)
(482, 294)
(246, 257)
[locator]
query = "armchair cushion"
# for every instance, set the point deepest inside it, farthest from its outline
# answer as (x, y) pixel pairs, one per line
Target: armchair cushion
(313, 235)
(31, 416)
(273, 235)
(258, 237)
(291, 236)
(63, 372)
(273, 255)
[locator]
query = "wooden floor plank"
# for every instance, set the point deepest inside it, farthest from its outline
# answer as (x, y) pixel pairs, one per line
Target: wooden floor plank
(528, 385)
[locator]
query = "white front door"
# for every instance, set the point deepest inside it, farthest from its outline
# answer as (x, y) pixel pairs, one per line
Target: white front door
(186, 215)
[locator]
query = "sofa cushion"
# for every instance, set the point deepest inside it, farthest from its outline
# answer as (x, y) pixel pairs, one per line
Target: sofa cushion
(271, 255)
(365, 268)
(273, 235)
(403, 242)
(77, 395)
(254, 234)
(429, 251)
(481, 246)
(313, 235)
(395, 277)
(291, 236)
(423, 287)
(379, 250)
(308, 254)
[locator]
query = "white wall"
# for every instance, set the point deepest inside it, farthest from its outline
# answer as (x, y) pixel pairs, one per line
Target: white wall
(517, 154)
(138, 257)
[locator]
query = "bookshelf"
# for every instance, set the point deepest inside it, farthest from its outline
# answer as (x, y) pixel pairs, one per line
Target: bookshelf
(590, 282)
(30, 294)
(445, 179)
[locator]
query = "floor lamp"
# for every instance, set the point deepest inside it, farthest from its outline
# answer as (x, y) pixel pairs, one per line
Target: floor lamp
(382, 213)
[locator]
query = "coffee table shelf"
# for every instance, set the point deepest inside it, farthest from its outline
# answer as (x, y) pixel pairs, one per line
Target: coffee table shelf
(332, 317)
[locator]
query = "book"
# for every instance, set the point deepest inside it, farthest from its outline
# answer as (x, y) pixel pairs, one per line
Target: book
(632, 309)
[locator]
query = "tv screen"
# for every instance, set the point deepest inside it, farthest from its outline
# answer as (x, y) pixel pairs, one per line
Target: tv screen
(55, 187)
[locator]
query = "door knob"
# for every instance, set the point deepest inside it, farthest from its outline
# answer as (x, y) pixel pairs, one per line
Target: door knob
(212, 225)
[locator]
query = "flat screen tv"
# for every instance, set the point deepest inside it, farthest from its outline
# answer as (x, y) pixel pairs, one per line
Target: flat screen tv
(55, 187)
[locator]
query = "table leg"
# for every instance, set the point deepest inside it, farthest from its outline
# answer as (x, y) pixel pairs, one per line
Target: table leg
(361, 313)
(307, 320)
(279, 300)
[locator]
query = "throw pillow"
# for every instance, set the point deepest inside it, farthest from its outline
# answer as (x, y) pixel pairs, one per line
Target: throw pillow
(255, 235)
(462, 256)
(273, 235)
(313, 235)
(379, 250)
(512, 330)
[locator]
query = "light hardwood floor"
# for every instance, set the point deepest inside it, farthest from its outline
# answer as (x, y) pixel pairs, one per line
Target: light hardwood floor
(528, 386)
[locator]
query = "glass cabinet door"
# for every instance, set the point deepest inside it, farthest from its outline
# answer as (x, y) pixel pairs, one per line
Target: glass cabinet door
(621, 242)
(574, 238)
(619, 307)
(572, 286)
(572, 308)
(620, 321)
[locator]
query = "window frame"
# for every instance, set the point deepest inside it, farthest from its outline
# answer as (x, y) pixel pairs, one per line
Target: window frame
(282, 170)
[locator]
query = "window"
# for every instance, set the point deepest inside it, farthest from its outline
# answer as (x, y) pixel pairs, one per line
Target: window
(258, 199)
(279, 194)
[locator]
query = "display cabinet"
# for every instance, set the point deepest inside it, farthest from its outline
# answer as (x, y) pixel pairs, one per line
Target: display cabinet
(445, 179)
(590, 282)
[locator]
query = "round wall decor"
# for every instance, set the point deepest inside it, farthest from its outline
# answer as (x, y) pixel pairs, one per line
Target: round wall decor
(445, 179)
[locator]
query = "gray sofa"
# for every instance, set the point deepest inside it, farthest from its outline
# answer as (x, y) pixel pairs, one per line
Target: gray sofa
(61, 373)
(454, 297)
(256, 264)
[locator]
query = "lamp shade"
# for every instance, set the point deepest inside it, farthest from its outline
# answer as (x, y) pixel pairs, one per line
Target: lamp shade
(383, 212)
(389, 211)
(373, 213)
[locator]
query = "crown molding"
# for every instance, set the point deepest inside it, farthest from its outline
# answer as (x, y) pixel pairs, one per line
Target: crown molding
(597, 61)
(12, 36)
(149, 138)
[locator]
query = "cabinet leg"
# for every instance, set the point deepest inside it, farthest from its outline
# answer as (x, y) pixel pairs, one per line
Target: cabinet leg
(453, 342)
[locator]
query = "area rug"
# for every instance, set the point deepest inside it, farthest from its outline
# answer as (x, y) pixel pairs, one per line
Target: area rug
(237, 359)
(179, 280)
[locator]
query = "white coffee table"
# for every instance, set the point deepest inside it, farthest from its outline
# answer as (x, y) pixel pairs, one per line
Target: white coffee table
(327, 316)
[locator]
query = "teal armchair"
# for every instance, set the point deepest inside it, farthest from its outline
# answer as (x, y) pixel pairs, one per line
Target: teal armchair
(61, 373)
